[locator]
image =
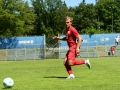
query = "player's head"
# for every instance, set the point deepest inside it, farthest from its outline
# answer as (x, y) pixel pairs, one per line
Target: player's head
(68, 21)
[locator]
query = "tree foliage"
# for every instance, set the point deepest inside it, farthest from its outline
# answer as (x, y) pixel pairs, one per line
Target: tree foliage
(18, 18)
(50, 15)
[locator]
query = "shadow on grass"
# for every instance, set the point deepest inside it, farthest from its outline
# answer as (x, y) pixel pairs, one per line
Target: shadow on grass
(55, 77)
(6, 88)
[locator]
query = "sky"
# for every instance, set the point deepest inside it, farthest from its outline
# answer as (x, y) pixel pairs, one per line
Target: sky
(73, 3)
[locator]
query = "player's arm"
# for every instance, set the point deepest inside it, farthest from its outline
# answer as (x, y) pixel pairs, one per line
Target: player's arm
(59, 38)
(78, 43)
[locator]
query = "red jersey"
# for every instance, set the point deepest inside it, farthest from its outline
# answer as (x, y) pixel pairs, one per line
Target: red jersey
(112, 48)
(71, 34)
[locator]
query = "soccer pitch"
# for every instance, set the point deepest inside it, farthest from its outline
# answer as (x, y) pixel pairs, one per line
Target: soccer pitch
(51, 75)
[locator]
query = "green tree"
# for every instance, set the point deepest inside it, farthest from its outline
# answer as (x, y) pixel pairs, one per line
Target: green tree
(14, 18)
(85, 17)
(116, 16)
(28, 18)
(109, 14)
(50, 15)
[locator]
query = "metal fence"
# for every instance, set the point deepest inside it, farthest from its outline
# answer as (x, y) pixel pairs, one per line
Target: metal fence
(22, 48)
(96, 45)
(92, 51)
(22, 54)
(29, 51)
(56, 52)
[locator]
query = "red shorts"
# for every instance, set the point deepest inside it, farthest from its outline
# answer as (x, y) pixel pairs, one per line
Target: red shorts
(71, 54)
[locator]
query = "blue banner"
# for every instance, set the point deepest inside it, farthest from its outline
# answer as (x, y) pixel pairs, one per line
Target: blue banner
(21, 42)
(95, 39)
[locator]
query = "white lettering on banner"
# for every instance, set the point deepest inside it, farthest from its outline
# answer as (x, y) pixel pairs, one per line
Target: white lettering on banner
(95, 41)
(26, 42)
(84, 40)
(107, 39)
(102, 39)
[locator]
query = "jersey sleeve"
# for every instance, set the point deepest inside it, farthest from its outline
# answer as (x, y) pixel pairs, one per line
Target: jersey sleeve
(75, 32)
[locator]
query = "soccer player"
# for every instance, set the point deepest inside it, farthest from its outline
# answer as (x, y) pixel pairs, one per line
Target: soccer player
(71, 36)
(112, 50)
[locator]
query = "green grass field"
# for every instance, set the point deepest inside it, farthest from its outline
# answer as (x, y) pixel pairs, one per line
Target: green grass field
(51, 75)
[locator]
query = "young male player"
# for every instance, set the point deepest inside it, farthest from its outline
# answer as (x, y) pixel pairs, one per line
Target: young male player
(112, 50)
(71, 36)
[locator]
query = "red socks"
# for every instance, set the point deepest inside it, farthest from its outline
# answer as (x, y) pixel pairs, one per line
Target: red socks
(78, 62)
(75, 62)
(68, 68)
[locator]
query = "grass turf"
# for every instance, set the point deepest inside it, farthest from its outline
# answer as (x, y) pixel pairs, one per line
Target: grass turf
(51, 75)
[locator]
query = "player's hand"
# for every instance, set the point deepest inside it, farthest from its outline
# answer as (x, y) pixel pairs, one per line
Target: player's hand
(77, 51)
(55, 38)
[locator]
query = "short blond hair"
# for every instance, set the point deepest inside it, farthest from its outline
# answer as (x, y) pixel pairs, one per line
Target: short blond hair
(71, 19)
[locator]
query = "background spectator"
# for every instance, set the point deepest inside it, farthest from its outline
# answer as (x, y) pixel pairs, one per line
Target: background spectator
(112, 49)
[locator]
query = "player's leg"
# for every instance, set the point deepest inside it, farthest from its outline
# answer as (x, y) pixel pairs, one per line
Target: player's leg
(80, 62)
(112, 53)
(68, 67)
(72, 61)
(69, 61)
(69, 70)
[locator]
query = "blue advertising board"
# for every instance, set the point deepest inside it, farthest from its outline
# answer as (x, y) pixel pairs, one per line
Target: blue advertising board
(95, 39)
(21, 42)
